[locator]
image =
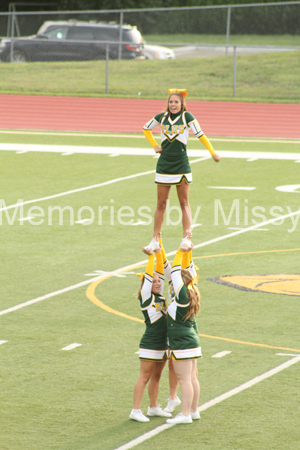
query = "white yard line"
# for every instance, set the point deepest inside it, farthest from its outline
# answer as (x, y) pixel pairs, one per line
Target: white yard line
(83, 221)
(143, 151)
(74, 191)
(124, 269)
(240, 188)
(239, 228)
(23, 219)
(212, 402)
(221, 354)
(71, 346)
(244, 230)
(45, 297)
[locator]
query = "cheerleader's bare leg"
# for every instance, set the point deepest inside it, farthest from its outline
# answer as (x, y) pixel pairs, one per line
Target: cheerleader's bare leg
(162, 198)
(183, 197)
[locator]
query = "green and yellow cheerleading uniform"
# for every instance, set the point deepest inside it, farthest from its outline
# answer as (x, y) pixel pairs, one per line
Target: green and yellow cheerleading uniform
(183, 334)
(173, 165)
(153, 345)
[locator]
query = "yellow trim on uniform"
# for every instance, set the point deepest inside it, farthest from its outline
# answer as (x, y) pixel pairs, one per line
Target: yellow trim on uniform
(178, 258)
(185, 260)
(163, 253)
(191, 258)
(173, 139)
(150, 266)
(159, 263)
(148, 135)
(207, 144)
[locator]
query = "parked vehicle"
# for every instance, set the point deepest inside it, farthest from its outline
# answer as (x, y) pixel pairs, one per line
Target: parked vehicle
(74, 41)
(158, 52)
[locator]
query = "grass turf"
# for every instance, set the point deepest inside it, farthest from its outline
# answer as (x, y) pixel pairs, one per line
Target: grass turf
(266, 77)
(81, 399)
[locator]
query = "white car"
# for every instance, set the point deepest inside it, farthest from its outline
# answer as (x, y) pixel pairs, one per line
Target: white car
(158, 52)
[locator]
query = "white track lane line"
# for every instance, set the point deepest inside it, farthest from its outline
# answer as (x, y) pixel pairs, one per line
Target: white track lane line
(212, 402)
(124, 269)
(74, 191)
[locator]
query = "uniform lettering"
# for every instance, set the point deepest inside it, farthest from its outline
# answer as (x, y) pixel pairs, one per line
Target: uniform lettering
(160, 306)
(166, 129)
(169, 301)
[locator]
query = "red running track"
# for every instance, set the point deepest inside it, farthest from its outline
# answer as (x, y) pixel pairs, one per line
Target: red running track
(31, 112)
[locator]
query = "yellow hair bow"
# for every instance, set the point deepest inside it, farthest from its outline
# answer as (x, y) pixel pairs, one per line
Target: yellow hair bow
(142, 275)
(191, 283)
(178, 91)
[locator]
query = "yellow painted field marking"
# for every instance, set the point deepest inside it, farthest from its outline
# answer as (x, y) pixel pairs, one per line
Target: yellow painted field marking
(246, 253)
(249, 343)
(90, 292)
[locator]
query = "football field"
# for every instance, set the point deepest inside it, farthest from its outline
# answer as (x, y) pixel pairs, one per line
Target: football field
(76, 210)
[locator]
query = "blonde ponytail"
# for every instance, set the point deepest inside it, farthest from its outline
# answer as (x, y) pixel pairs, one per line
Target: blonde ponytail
(193, 294)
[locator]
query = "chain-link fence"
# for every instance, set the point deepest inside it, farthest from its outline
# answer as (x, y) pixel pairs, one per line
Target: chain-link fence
(132, 34)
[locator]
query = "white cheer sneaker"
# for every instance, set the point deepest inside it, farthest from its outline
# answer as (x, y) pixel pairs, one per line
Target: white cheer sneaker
(180, 418)
(136, 414)
(195, 415)
(158, 412)
(172, 403)
(150, 249)
(186, 245)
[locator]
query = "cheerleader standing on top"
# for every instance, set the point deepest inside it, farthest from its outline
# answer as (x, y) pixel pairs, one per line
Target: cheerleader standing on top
(173, 166)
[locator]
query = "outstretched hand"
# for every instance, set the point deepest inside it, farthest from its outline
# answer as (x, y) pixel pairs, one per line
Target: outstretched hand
(148, 251)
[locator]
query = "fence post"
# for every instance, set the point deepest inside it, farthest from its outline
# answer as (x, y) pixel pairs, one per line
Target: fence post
(9, 21)
(121, 35)
(234, 69)
(12, 31)
(228, 28)
(107, 59)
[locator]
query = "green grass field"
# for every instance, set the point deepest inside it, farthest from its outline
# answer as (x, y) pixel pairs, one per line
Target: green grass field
(80, 399)
(265, 77)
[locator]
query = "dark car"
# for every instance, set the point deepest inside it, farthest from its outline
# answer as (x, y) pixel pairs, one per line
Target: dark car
(74, 41)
